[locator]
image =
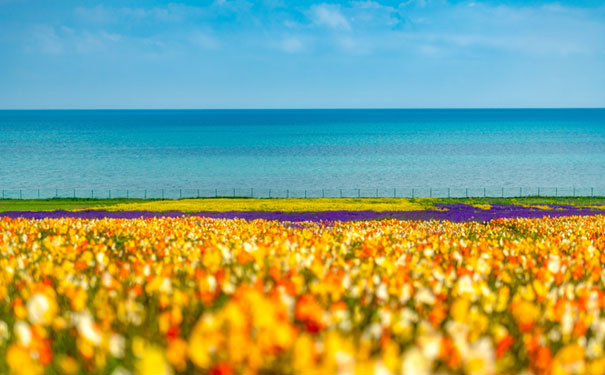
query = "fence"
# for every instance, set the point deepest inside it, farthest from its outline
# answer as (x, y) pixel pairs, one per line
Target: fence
(409, 192)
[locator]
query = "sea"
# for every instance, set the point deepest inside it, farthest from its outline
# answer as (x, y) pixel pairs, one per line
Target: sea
(368, 149)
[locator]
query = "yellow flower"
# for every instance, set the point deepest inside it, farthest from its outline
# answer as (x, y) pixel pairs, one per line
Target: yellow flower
(153, 362)
(21, 362)
(176, 354)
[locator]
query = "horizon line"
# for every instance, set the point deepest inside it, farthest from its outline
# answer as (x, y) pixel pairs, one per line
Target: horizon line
(295, 109)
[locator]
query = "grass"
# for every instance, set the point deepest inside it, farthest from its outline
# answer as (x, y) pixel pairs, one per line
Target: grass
(278, 204)
(58, 204)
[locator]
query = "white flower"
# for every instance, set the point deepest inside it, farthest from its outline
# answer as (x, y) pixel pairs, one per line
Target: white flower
(382, 292)
(37, 306)
(431, 346)
(465, 286)
(87, 329)
(101, 259)
(424, 295)
(117, 343)
(481, 358)
(415, 363)
(381, 369)
(345, 363)
(211, 283)
(554, 264)
(106, 279)
(567, 322)
(166, 286)
(23, 333)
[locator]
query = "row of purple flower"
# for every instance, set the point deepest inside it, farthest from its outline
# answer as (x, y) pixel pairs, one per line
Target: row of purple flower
(452, 212)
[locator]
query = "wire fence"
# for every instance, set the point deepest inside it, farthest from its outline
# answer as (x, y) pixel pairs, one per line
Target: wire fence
(410, 192)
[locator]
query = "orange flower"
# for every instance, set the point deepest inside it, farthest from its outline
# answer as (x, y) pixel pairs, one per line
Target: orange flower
(309, 312)
(503, 345)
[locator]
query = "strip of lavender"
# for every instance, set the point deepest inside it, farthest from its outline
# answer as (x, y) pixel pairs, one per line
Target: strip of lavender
(452, 212)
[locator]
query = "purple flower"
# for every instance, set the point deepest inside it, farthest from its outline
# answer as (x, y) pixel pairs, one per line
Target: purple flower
(454, 212)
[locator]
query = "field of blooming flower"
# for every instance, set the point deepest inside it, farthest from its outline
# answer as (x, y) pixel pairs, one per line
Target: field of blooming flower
(194, 295)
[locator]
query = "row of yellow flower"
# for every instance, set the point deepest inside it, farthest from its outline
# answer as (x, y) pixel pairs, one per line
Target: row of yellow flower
(212, 296)
(286, 205)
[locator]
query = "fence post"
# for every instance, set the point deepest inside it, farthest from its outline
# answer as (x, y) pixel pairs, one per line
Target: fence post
(216, 193)
(412, 193)
(341, 193)
(233, 192)
(198, 193)
(358, 193)
(287, 193)
(323, 195)
(145, 193)
(56, 193)
(92, 193)
(305, 193)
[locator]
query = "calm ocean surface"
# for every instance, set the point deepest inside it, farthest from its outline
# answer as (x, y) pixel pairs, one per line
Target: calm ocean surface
(301, 149)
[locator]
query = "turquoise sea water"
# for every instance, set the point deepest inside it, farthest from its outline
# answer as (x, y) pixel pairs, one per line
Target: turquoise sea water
(301, 149)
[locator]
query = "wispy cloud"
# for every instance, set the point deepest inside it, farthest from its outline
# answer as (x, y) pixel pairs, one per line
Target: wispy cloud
(291, 44)
(204, 40)
(431, 28)
(44, 38)
(171, 13)
(329, 15)
(388, 45)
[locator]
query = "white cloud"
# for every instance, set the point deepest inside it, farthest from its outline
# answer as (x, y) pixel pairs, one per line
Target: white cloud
(95, 15)
(366, 14)
(63, 39)
(87, 41)
(45, 39)
(417, 3)
(172, 13)
(291, 44)
(204, 40)
(330, 16)
(237, 6)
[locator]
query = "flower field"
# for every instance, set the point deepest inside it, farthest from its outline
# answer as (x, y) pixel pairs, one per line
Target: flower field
(193, 295)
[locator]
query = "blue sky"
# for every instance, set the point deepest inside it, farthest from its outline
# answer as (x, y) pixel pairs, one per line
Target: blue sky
(301, 54)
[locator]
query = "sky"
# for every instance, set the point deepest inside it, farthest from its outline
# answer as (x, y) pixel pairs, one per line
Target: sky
(301, 54)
